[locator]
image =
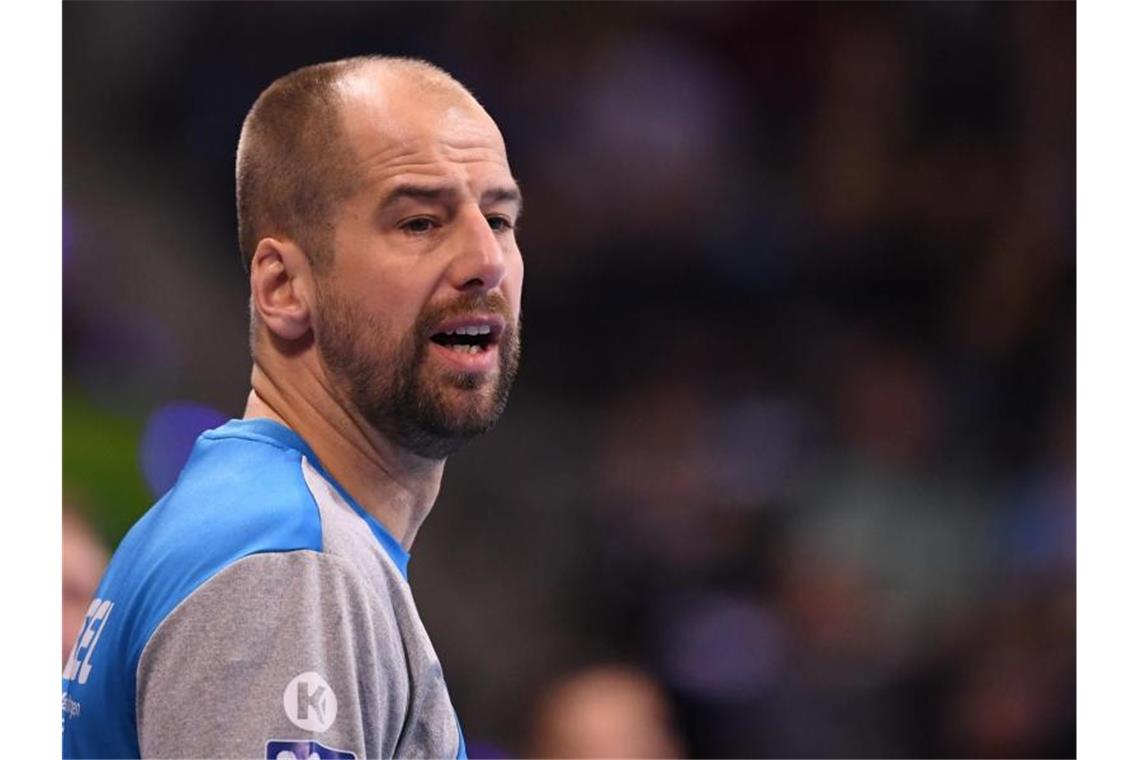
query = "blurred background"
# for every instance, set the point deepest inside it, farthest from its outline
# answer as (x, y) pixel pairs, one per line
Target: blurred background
(789, 468)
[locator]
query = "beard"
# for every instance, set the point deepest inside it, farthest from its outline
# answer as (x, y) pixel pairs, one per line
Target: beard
(390, 384)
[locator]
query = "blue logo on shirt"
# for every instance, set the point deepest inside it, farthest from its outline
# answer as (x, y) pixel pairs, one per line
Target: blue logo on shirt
(304, 750)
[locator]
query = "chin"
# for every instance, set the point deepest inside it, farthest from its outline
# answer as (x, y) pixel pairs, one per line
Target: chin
(469, 381)
(467, 420)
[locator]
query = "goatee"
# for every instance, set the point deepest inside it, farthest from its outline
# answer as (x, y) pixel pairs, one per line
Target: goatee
(391, 385)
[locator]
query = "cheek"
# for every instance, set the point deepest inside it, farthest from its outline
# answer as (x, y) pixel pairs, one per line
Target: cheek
(388, 296)
(516, 278)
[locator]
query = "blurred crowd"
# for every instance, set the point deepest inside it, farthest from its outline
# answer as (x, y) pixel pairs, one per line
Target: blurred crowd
(790, 465)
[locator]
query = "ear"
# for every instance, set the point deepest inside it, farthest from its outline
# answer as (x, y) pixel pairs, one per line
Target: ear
(281, 287)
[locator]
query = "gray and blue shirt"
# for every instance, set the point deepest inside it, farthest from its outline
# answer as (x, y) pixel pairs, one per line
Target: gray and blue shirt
(256, 611)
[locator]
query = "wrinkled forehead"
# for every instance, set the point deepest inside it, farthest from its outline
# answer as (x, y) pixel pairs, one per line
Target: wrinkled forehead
(391, 114)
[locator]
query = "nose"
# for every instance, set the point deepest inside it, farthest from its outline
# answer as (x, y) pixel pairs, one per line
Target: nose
(480, 263)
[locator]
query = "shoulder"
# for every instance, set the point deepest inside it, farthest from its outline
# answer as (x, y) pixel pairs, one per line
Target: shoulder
(241, 493)
(276, 602)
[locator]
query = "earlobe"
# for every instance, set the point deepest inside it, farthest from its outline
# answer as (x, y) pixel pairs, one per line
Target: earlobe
(279, 276)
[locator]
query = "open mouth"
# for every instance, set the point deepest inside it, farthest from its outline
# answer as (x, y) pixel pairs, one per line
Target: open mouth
(471, 336)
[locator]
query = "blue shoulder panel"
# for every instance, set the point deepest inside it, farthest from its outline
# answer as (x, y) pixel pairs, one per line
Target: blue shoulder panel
(259, 429)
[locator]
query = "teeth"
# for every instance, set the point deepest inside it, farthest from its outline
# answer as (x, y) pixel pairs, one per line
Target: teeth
(465, 349)
(472, 330)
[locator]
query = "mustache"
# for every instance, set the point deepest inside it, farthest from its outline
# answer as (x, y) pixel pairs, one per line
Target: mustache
(471, 303)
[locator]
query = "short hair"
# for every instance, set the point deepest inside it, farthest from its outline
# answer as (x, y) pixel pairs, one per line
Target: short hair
(293, 162)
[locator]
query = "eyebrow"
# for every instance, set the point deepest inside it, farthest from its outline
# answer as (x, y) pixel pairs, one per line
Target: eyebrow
(503, 194)
(418, 193)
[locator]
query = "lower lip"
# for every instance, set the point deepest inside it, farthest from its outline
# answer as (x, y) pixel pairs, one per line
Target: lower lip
(483, 361)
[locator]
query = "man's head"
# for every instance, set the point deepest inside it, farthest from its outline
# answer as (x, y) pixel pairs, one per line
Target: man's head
(377, 214)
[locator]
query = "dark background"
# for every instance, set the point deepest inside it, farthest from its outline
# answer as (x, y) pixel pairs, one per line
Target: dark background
(794, 429)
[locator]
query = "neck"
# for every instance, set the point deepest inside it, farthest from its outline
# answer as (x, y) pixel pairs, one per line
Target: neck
(394, 486)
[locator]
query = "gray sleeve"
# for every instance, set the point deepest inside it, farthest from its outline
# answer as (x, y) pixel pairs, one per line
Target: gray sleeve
(273, 652)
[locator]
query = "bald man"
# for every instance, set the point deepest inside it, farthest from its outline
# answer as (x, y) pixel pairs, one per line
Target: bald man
(261, 607)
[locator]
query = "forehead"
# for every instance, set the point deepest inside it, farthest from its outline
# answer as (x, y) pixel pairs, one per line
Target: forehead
(398, 128)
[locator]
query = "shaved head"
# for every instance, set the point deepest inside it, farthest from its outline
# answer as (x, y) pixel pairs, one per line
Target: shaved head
(294, 162)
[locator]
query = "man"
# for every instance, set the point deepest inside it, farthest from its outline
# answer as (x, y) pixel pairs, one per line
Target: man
(261, 607)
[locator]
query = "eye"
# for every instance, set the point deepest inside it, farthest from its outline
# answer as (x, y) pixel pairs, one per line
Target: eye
(420, 225)
(500, 223)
